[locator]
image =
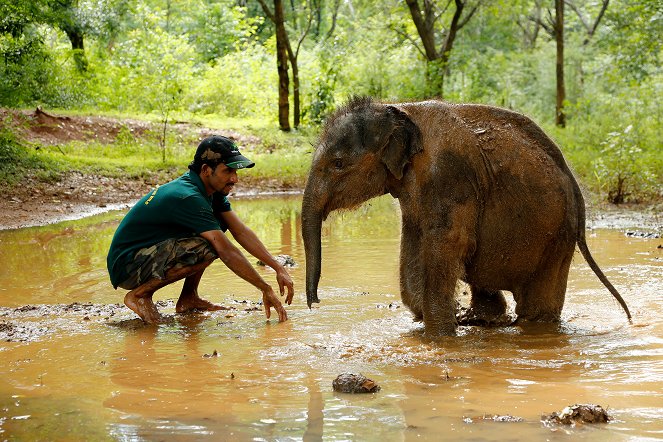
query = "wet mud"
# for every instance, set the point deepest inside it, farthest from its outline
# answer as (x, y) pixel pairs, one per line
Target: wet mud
(31, 323)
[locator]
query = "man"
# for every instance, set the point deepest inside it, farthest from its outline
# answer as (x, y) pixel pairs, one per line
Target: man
(178, 229)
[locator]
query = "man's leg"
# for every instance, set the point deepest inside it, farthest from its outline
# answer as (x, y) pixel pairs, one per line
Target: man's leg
(140, 299)
(189, 299)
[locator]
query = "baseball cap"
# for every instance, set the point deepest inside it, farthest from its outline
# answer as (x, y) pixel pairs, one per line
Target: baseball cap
(219, 149)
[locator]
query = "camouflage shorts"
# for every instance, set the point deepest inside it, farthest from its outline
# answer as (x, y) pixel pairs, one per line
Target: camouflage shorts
(153, 262)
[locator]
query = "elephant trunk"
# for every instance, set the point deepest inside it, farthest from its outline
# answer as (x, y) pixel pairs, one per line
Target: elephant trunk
(311, 230)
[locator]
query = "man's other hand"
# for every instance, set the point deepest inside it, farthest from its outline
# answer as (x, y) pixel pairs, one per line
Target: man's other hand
(269, 300)
(284, 280)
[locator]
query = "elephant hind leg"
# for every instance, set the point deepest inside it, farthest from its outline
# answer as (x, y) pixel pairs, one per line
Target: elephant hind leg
(487, 302)
(542, 298)
(487, 307)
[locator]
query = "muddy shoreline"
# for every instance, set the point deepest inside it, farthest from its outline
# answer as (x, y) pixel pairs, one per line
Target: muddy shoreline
(77, 196)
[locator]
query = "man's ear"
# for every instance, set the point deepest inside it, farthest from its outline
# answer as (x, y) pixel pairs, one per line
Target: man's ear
(404, 142)
(205, 170)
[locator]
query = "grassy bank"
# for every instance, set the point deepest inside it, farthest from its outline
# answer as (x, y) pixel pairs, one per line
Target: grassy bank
(619, 170)
(282, 158)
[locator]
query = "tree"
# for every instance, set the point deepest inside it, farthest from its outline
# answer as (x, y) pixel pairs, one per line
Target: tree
(277, 17)
(589, 26)
(293, 56)
(531, 25)
(26, 63)
(428, 25)
(634, 37)
(65, 15)
(554, 26)
(157, 67)
(560, 117)
(282, 36)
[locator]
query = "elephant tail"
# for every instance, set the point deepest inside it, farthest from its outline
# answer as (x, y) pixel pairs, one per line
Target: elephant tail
(582, 245)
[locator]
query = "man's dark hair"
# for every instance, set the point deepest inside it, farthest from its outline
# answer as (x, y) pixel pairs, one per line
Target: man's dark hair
(196, 166)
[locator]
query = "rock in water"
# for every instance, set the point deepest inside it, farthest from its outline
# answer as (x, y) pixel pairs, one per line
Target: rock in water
(578, 414)
(354, 383)
(284, 260)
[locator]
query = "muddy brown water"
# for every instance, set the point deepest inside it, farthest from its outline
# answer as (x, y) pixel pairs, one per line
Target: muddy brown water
(76, 365)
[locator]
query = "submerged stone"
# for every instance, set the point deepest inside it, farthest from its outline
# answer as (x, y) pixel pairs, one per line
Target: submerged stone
(354, 383)
(284, 260)
(578, 414)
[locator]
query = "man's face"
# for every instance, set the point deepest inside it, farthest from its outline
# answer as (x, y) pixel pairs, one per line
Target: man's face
(220, 179)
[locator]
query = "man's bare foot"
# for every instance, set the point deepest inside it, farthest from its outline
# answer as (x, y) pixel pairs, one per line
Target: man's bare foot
(193, 302)
(143, 307)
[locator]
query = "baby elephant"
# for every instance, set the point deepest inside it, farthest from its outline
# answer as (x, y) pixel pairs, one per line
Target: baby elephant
(485, 195)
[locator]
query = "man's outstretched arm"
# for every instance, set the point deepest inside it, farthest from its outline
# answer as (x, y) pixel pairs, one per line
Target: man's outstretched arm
(252, 244)
(233, 258)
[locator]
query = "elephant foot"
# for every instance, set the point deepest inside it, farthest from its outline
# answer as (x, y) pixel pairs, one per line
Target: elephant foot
(439, 326)
(470, 316)
(438, 333)
(539, 327)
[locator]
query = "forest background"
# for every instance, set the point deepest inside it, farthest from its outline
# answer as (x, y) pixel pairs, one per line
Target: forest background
(272, 70)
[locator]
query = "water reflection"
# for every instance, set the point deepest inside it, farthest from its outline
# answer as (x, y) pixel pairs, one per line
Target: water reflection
(96, 372)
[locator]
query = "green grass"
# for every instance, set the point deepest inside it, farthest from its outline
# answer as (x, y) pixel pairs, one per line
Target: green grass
(282, 158)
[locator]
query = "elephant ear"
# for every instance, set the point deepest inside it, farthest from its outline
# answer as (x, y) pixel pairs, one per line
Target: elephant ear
(404, 142)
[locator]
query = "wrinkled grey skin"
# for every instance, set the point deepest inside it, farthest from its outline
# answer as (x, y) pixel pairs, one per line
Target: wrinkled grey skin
(486, 197)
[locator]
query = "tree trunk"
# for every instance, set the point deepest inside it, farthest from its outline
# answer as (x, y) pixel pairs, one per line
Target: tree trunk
(77, 45)
(282, 65)
(295, 92)
(560, 117)
(425, 27)
(437, 61)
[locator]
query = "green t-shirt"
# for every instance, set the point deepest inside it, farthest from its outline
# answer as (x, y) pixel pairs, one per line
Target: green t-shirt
(178, 209)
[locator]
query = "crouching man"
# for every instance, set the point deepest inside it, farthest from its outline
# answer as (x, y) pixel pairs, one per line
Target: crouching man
(178, 229)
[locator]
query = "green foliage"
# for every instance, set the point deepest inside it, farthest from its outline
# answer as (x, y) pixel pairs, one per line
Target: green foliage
(620, 169)
(240, 84)
(220, 28)
(633, 37)
(26, 70)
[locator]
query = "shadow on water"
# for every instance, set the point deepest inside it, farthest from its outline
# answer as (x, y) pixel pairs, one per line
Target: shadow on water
(76, 364)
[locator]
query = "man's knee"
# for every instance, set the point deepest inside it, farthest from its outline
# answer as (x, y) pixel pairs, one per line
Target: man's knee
(155, 261)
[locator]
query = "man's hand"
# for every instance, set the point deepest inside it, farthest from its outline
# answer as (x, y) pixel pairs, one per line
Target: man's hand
(269, 300)
(284, 280)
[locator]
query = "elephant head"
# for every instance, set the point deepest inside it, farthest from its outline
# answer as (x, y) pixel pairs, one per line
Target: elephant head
(363, 152)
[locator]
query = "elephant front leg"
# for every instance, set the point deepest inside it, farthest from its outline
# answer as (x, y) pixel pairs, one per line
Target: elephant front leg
(439, 303)
(442, 257)
(411, 270)
(447, 243)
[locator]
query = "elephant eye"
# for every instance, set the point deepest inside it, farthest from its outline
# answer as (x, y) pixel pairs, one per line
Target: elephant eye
(338, 163)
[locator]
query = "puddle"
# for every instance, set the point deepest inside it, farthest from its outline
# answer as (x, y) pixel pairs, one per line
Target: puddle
(76, 364)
